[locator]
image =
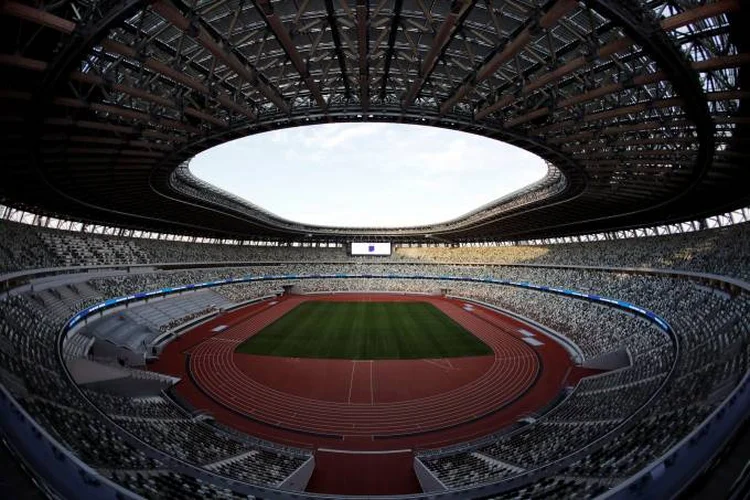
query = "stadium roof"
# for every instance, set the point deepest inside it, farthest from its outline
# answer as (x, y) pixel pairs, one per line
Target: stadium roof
(639, 107)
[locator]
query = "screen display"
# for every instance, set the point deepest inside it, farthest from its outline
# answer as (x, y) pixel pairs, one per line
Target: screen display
(371, 248)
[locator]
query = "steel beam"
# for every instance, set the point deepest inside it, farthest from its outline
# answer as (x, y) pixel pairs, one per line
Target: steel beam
(173, 15)
(331, 14)
(363, 40)
(644, 29)
(285, 40)
(395, 21)
(92, 139)
(148, 96)
(19, 61)
(558, 9)
(687, 17)
(459, 9)
(633, 108)
(178, 76)
(124, 113)
(693, 15)
(567, 68)
(90, 125)
(720, 62)
(113, 152)
(37, 16)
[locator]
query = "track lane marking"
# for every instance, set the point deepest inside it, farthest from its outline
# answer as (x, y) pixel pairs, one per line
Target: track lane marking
(440, 409)
(351, 382)
(372, 393)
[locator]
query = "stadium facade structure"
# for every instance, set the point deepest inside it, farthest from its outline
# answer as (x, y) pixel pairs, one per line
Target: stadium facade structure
(638, 107)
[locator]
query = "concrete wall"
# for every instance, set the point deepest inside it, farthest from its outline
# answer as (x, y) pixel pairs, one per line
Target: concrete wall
(427, 479)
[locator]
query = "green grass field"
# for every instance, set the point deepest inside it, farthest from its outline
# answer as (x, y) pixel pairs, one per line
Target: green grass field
(364, 330)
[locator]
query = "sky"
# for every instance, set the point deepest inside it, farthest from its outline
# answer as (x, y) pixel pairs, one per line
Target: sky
(368, 174)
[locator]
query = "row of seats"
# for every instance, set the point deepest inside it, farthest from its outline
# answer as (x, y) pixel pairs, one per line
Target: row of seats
(704, 374)
(75, 249)
(261, 463)
(96, 444)
(29, 368)
(142, 407)
(723, 251)
(169, 484)
(186, 439)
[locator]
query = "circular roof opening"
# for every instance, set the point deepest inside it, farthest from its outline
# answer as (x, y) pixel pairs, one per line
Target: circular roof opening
(368, 174)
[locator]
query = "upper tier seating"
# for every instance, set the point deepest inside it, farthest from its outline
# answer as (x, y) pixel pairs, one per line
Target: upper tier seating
(724, 251)
(21, 247)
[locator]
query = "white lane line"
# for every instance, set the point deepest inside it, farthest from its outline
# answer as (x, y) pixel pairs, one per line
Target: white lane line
(364, 452)
(532, 341)
(443, 364)
(372, 393)
(351, 381)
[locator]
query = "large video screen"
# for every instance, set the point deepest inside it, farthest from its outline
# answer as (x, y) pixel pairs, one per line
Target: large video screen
(371, 248)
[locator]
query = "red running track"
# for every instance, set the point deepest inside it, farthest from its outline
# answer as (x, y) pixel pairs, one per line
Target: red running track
(365, 382)
(513, 370)
(364, 473)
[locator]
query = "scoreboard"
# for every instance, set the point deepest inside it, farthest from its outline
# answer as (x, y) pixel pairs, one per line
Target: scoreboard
(358, 248)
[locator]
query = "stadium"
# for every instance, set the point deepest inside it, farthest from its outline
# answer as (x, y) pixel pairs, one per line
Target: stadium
(585, 336)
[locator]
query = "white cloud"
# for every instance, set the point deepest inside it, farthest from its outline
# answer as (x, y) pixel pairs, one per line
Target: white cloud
(336, 135)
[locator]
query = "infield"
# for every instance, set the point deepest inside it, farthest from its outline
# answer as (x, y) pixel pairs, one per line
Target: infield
(364, 330)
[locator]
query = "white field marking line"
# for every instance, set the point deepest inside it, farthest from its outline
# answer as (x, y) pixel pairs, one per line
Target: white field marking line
(436, 363)
(351, 382)
(372, 393)
(443, 364)
(532, 341)
(364, 452)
